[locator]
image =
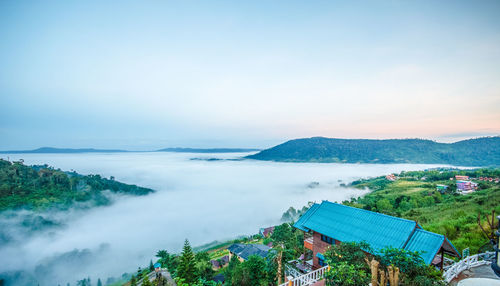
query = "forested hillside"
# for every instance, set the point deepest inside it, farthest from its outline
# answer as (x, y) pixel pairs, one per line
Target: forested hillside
(39, 187)
(474, 152)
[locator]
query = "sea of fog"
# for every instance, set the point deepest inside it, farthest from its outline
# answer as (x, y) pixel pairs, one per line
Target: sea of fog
(195, 199)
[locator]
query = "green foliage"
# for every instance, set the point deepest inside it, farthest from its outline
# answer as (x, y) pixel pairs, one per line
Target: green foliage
(204, 269)
(146, 282)
(348, 266)
(83, 282)
(251, 272)
(408, 262)
(151, 266)
(473, 152)
(288, 237)
(352, 253)
(133, 281)
(234, 264)
(187, 264)
(413, 270)
(40, 187)
(344, 274)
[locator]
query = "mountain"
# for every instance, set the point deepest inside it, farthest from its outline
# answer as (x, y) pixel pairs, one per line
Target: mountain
(42, 187)
(63, 150)
(210, 150)
(51, 150)
(473, 152)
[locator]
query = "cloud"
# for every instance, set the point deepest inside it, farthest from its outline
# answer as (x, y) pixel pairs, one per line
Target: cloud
(199, 200)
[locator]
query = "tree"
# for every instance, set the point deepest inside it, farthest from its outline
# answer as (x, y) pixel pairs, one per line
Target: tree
(133, 281)
(352, 253)
(250, 273)
(204, 269)
(151, 266)
(348, 265)
(231, 268)
(287, 244)
(413, 269)
(163, 255)
(344, 274)
(146, 282)
(384, 205)
(186, 269)
(99, 283)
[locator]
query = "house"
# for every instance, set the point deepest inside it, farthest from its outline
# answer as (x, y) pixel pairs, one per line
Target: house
(266, 232)
(219, 263)
(462, 178)
(391, 177)
(244, 251)
(466, 186)
(332, 223)
(219, 278)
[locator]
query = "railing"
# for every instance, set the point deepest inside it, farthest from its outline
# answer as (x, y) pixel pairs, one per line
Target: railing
(308, 278)
(467, 263)
(289, 270)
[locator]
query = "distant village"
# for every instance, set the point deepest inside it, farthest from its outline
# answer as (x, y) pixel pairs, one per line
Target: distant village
(464, 184)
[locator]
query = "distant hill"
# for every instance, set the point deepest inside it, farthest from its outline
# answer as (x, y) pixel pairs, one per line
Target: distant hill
(51, 150)
(42, 187)
(63, 150)
(473, 152)
(209, 150)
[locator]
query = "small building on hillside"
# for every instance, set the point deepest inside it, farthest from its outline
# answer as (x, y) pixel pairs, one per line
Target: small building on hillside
(462, 178)
(266, 232)
(332, 223)
(466, 186)
(244, 251)
(391, 177)
(219, 263)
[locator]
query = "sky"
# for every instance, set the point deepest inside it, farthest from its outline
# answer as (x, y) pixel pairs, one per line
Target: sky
(151, 74)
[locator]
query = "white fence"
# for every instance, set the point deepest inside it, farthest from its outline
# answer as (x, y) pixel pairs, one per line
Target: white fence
(307, 279)
(467, 263)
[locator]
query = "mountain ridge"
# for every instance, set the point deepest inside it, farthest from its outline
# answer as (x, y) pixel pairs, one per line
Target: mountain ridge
(53, 150)
(484, 151)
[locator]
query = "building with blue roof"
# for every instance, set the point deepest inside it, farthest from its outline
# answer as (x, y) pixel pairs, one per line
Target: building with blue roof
(331, 223)
(244, 251)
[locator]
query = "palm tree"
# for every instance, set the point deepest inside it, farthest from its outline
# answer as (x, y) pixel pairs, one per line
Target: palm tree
(162, 254)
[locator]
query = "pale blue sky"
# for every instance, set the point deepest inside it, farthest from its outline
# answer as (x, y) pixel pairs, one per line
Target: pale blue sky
(151, 74)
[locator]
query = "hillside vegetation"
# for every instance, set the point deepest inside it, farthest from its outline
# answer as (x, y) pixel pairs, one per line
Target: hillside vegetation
(414, 196)
(474, 152)
(40, 187)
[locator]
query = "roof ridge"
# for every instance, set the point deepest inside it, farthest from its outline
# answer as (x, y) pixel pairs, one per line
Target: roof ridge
(433, 233)
(367, 211)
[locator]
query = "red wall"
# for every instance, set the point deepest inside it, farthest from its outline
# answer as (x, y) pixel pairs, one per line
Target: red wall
(319, 246)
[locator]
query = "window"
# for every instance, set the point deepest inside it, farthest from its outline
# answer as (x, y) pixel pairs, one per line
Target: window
(321, 262)
(327, 239)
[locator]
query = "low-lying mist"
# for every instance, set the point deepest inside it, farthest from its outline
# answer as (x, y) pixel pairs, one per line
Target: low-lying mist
(195, 199)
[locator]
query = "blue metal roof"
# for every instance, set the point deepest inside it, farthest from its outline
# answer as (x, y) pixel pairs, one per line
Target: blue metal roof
(300, 223)
(346, 223)
(246, 250)
(425, 242)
